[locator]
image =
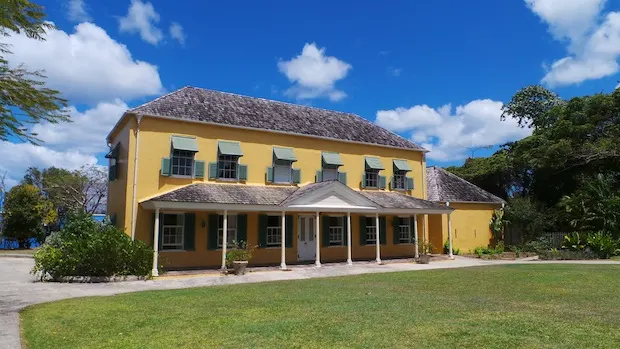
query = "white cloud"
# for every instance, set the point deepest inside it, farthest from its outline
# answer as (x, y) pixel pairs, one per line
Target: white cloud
(176, 32)
(142, 18)
(87, 133)
(593, 39)
(18, 157)
(87, 66)
(77, 11)
(395, 71)
(314, 74)
(449, 135)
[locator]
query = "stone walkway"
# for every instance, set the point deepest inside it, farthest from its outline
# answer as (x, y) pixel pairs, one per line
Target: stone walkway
(19, 289)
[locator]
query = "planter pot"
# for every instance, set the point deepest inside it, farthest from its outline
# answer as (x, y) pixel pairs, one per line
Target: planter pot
(239, 267)
(424, 259)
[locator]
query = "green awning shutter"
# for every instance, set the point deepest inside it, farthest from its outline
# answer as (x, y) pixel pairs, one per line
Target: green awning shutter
(286, 154)
(402, 165)
(190, 231)
(229, 148)
(332, 159)
(184, 143)
(374, 163)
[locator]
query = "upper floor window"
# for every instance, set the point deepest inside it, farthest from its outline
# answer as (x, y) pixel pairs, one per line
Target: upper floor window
(371, 178)
(227, 166)
(330, 163)
(400, 181)
(182, 162)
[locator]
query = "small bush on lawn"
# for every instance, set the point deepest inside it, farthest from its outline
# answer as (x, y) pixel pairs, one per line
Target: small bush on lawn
(85, 247)
(490, 251)
(556, 254)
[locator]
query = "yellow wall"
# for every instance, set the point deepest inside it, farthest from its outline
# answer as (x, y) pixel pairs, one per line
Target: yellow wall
(120, 189)
(470, 226)
(203, 257)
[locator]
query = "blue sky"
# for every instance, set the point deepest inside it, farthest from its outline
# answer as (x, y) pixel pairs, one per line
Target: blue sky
(435, 72)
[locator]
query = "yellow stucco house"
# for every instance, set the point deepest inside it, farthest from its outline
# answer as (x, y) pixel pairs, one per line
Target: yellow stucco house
(195, 168)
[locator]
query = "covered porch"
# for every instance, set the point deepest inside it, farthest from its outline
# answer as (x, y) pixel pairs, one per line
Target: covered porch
(318, 223)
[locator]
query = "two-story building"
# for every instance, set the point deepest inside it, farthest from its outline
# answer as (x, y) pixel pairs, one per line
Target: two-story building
(196, 168)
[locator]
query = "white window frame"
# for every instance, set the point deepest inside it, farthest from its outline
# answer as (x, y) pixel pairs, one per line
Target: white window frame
(400, 180)
(372, 178)
(182, 162)
(177, 229)
(231, 232)
(274, 233)
(336, 231)
(283, 166)
(227, 167)
(404, 230)
(371, 231)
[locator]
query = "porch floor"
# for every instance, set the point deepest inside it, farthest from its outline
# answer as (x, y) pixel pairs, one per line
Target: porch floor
(300, 267)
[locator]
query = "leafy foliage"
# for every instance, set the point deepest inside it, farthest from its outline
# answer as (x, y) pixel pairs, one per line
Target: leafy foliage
(25, 213)
(488, 250)
(24, 99)
(85, 247)
(602, 244)
(530, 106)
(239, 251)
(446, 248)
(497, 225)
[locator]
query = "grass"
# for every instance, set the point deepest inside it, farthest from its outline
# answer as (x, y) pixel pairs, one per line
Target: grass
(515, 306)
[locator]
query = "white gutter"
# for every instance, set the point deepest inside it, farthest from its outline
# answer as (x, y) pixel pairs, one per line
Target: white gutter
(134, 202)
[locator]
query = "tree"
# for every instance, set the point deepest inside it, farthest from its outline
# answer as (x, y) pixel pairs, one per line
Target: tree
(25, 213)
(530, 106)
(81, 190)
(24, 99)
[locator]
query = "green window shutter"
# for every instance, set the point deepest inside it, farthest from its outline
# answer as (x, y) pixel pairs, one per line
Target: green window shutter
(382, 231)
(113, 219)
(262, 230)
(409, 183)
(289, 231)
(364, 180)
(165, 166)
(395, 229)
(319, 176)
(212, 233)
(392, 183)
(242, 172)
(213, 170)
(342, 177)
(325, 232)
(242, 228)
(189, 232)
(116, 170)
(111, 172)
(362, 230)
(412, 223)
(345, 226)
(296, 176)
(381, 182)
(199, 169)
(160, 238)
(269, 174)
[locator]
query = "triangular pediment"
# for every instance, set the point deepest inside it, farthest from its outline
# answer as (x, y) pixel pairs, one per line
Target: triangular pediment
(334, 195)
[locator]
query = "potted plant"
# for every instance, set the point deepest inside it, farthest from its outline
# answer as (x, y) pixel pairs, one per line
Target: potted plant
(426, 248)
(238, 256)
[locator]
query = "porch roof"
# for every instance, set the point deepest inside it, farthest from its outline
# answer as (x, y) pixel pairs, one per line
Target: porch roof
(274, 198)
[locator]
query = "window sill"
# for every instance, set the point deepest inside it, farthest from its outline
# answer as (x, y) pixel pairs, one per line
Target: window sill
(227, 180)
(400, 189)
(180, 177)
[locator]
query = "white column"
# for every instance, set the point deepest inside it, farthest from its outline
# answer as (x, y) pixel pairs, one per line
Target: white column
(449, 234)
(283, 257)
(378, 239)
(155, 270)
(224, 239)
(317, 240)
(349, 260)
(415, 236)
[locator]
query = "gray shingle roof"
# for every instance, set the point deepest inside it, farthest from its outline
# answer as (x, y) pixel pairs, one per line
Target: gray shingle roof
(228, 194)
(198, 104)
(280, 196)
(397, 200)
(444, 186)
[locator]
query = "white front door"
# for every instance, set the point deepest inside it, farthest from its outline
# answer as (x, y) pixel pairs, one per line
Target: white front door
(306, 245)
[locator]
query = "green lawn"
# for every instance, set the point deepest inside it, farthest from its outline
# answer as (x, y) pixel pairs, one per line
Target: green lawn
(516, 306)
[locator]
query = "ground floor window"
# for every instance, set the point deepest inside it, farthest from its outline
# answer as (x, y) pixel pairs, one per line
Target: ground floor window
(371, 230)
(404, 230)
(172, 231)
(336, 231)
(231, 231)
(274, 230)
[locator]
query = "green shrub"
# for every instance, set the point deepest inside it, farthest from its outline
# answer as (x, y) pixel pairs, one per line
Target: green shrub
(85, 247)
(489, 251)
(602, 244)
(555, 254)
(574, 242)
(446, 248)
